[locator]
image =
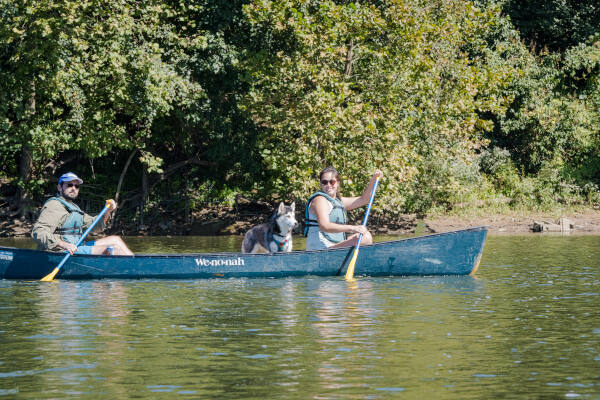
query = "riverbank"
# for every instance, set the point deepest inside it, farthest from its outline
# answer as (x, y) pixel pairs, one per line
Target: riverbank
(582, 221)
(235, 221)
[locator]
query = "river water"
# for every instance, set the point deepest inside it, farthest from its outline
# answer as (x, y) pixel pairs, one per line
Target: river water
(526, 326)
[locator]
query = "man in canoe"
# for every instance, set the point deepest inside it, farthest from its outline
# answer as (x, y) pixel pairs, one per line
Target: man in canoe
(61, 223)
(325, 214)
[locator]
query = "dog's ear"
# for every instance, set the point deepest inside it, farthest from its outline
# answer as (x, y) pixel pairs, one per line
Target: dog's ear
(293, 206)
(281, 208)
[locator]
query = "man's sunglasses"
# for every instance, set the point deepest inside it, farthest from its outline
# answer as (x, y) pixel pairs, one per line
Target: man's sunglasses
(75, 185)
(325, 182)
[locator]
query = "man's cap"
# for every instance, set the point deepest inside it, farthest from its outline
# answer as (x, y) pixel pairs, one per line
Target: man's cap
(68, 177)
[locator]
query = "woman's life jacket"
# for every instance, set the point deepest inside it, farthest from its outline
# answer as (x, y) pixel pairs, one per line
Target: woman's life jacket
(337, 215)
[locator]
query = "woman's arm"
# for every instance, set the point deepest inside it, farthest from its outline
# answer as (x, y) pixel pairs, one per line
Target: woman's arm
(355, 202)
(320, 206)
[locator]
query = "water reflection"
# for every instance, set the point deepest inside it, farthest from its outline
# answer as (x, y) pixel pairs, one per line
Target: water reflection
(526, 326)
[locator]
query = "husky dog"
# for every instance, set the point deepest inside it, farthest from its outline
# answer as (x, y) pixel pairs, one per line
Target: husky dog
(275, 235)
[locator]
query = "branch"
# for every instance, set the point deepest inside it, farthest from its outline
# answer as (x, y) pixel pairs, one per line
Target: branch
(123, 174)
(172, 168)
(49, 170)
(349, 59)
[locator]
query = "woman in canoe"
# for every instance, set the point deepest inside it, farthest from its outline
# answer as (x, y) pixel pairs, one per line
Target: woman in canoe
(325, 216)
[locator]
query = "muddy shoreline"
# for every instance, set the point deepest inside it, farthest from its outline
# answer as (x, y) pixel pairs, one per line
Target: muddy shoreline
(587, 221)
(229, 221)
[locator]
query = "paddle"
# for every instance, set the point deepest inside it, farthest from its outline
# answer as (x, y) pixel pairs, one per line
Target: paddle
(52, 274)
(350, 270)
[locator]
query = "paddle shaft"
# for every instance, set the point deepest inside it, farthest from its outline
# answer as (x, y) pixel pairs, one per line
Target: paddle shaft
(52, 274)
(350, 270)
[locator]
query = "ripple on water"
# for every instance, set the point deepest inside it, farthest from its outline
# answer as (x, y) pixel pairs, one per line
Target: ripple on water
(162, 388)
(43, 337)
(259, 356)
(14, 374)
(538, 317)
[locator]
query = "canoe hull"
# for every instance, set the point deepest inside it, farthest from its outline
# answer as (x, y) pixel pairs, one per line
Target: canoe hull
(450, 253)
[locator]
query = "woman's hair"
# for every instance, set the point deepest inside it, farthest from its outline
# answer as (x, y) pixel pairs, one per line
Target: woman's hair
(335, 173)
(329, 169)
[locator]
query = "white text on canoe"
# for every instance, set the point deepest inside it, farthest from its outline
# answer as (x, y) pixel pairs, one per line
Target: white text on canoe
(203, 262)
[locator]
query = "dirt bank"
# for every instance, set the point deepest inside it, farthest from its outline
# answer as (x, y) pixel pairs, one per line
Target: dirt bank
(587, 221)
(231, 221)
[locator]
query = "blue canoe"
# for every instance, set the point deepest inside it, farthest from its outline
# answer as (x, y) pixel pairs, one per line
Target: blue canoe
(450, 253)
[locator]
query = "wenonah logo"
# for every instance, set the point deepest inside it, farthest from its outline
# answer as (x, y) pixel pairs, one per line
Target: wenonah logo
(204, 262)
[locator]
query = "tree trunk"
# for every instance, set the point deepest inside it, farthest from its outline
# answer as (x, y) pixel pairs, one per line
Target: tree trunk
(20, 202)
(127, 163)
(349, 59)
(144, 196)
(114, 219)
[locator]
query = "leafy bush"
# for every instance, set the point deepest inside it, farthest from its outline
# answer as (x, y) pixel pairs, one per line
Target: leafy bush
(443, 96)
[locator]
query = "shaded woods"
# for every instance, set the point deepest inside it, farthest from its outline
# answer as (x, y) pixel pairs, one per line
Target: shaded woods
(178, 108)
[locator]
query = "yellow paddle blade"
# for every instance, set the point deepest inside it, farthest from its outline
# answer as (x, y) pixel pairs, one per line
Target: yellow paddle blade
(50, 276)
(350, 270)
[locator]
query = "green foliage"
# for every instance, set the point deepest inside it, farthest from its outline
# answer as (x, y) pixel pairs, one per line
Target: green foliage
(360, 86)
(87, 76)
(219, 97)
(554, 24)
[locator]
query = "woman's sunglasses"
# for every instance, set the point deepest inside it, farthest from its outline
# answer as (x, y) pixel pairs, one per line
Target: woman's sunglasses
(325, 182)
(75, 185)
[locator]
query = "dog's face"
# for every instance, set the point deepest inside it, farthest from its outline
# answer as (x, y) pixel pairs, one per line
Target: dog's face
(286, 218)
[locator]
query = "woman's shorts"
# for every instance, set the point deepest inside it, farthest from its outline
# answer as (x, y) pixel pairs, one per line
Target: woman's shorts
(316, 241)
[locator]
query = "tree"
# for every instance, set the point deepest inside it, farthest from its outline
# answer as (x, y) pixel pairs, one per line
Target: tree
(360, 86)
(85, 76)
(554, 24)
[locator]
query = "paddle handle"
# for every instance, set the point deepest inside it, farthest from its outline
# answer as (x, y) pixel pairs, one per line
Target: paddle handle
(350, 270)
(366, 217)
(52, 274)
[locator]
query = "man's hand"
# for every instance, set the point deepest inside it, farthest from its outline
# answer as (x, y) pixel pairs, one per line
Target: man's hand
(70, 247)
(112, 205)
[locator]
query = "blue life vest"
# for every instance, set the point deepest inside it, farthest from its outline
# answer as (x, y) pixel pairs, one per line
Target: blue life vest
(72, 229)
(337, 215)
